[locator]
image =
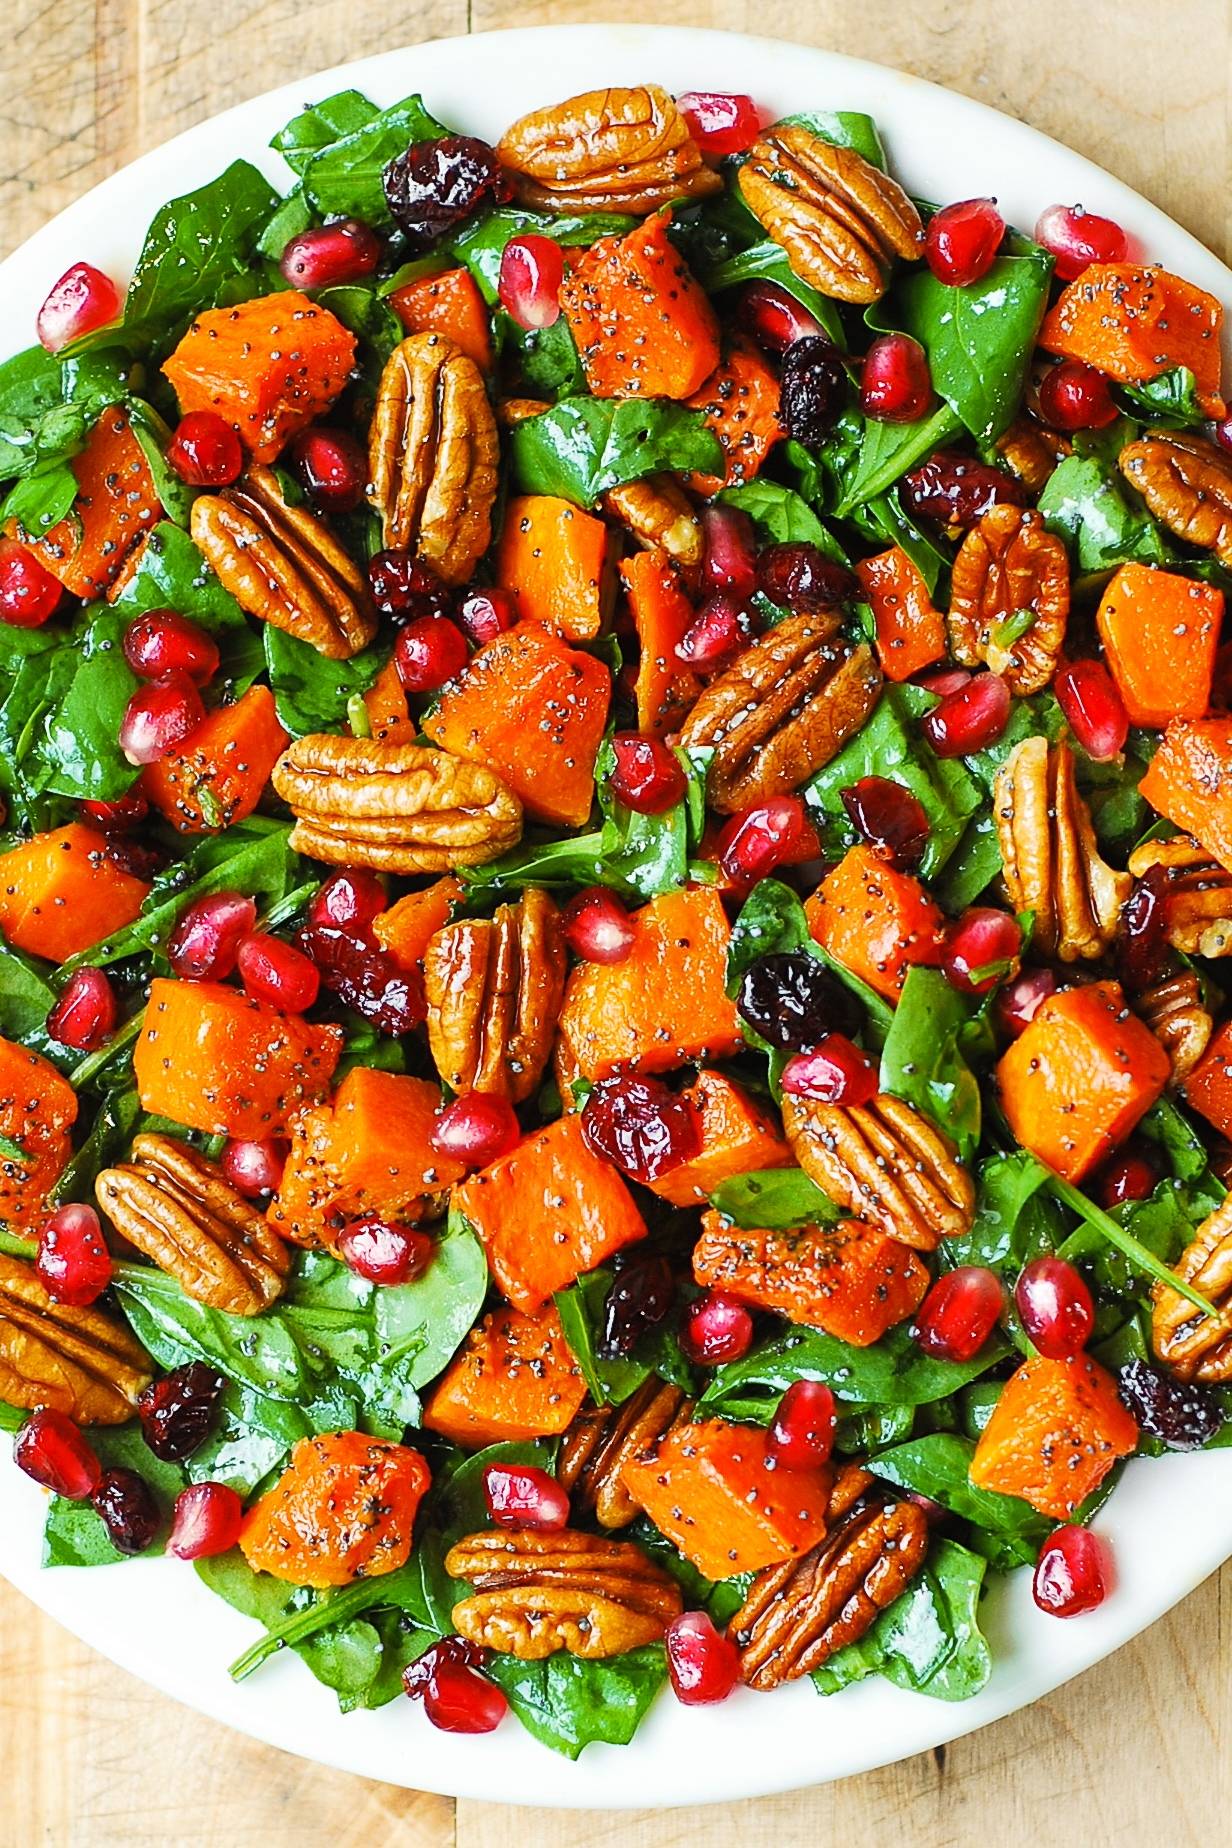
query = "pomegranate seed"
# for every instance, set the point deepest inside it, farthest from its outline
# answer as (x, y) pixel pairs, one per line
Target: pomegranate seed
(160, 716)
(890, 819)
(982, 949)
(205, 1521)
(774, 318)
(383, 1252)
(53, 1452)
(332, 467)
(525, 1497)
(404, 587)
(485, 614)
(205, 942)
(716, 1328)
(164, 642)
(349, 901)
(1142, 929)
(643, 1290)
(835, 1072)
(455, 1698)
(1022, 997)
(118, 817)
(126, 1506)
(646, 776)
(703, 1664)
(531, 272)
(328, 255)
(476, 1129)
(73, 1263)
(179, 1411)
(895, 384)
(277, 973)
(959, 1313)
(1222, 432)
(1131, 1175)
(1092, 704)
(721, 626)
(969, 719)
(1075, 239)
(720, 123)
(1072, 1573)
(802, 1432)
(1073, 396)
(640, 1126)
(254, 1168)
(83, 299)
(597, 926)
(962, 241)
(797, 576)
(729, 558)
(945, 681)
(205, 451)
(769, 834)
(85, 1015)
(29, 595)
(428, 652)
(1056, 1308)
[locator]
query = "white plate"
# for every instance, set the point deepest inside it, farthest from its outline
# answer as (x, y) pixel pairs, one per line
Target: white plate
(1170, 1522)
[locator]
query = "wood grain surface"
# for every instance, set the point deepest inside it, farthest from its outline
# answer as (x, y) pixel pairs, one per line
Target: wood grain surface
(1139, 1748)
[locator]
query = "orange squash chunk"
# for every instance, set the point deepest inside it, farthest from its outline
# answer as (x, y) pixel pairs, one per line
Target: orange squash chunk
(406, 929)
(37, 1110)
(268, 366)
(1076, 1081)
(1189, 780)
(218, 775)
(62, 892)
(737, 1135)
(1134, 321)
(874, 920)
(532, 709)
(448, 303)
(1055, 1432)
(849, 1279)
(712, 1489)
(214, 1060)
(1208, 1088)
(664, 1004)
(514, 1379)
(740, 402)
(389, 716)
(342, 1509)
(1160, 633)
(555, 562)
(116, 504)
(665, 689)
(910, 631)
(642, 323)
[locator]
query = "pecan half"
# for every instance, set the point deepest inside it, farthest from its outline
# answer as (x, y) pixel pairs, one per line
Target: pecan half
(658, 512)
(1199, 894)
(510, 412)
(1187, 484)
(434, 456)
(1010, 571)
(796, 1615)
(1178, 1017)
(180, 1209)
(603, 1438)
(397, 808)
(617, 150)
(784, 708)
(884, 1162)
(840, 220)
(1050, 858)
(77, 1361)
(1031, 452)
(1197, 1346)
(494, 988)
(538, 1593)
(284, 566)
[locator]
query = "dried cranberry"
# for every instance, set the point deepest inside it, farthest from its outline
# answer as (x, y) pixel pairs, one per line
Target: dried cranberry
(160, 716)
(1142, 929)
(520, 1495)
(1056, 1307)
(956, 490)
(277, 973)
(476, 1129)
(962, 241)
(436, 184)
(164, 642)
(531, 272)
(366, 979)
(702, 1663)
(833, 1072)
(118, 817)
(729, 558)
(428, 652)
(485, 614)
(720, 123)
(1091, 701)
(1073, 396)
(404, 587)
(715, 1329)
(73, 1263)
(969, 719)
(456, 1698)
(959, 1313)
(791, 1000)
(85, 1015)
(29, 595)
(178, 1412)
(124, 1502)
(643, 1291)
(1075, 239)
(801, 1434)
(1071, 1574)
(383, 1251)
(1022, 997)
(55, 1454)
(254, 1168)
(639, 1125)
(773, 318)
(813, 390)
(81, 301)
(205, 1521)
(981, 949)
(327, 255)
(1178, 1413)
(797, 577)
(332, 467)
(770, 834)
(349, 901)
(720, 628)
(598, 928)
(205, 942)
(890, 819)
(646, 776)
(895, 383)
(205, 451)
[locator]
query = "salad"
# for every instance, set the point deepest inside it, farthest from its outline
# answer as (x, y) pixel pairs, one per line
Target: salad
(617, 855)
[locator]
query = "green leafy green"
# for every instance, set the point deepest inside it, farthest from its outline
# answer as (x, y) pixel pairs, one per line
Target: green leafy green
(480, 243)
(875, 455)
(929, 1640)
(776, 1198)
(1016, 1219)
(49, 402)
(420, 1325)
(567, 1703)
(340, 155)
(922, 1060)
(311, 694)
(782, 515)
(1084, 504)
(611, 1380)
(894, 1371)
(938, 1466)
(1170, 399)
(767, 262)
(321, 125)
(200, 251)
(844, 128)
(583, 446)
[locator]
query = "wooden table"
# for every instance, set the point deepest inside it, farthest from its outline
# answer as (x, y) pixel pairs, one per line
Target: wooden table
(1139, 1746)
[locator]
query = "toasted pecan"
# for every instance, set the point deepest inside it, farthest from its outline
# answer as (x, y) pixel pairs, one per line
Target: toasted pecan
(537, 1593)
(612, 150)
(885, 1162)
(81, 1362)
(1050, 857)
(494, 988)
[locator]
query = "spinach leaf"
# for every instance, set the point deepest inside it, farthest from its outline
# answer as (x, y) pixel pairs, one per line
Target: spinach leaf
(153, 435)
(49, 402)
(480, 243)
(548, 361)
(199, 251)
(611, 1381)
(41, 500)
(369, 318)
(312, 694)
(341, 177)
(877, 454)
(583, 446)
(113, 1125)
(1169, 400)
(170, 573)
(774, 1198)
(256, 1351)
(79, 753)
(420, 1325)
(567, 1703)
(929, 1639)
(844, 128)
(74, 1535)
(938, 1466)
(894, 1371)
(1016, 1219)
(26, 998)
(922, 1060)
(320, 125)
(889, 520)
(1086, 506)
(782, 515)
(767, 261)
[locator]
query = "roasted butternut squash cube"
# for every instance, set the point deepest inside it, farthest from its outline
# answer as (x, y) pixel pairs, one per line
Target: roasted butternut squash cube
(556, 563)
(1189, 780)
(37, 1110)
(513, 1379)
(874, 920)
(62, 892)
(342, 1509)
(218, 775)
(1160, 632)
(643, 325)
(116, 504)
(737, 1137)
(1055, 1432)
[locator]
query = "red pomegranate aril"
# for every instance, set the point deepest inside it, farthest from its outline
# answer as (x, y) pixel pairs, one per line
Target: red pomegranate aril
(73, 1262)
(962, 241)
(1074, 396)
(164, 642)
(1089, 697)
(945, 681)
(205, 451)
(769, 834)
(125, 1503)
(895, 383)
(476, 1129)
(834, 1072)
(1056, 1307)
(277, 973)
(428, 652)
(1131, 1175)
(1222, 432)
(404, 587)
(328, 255)
(83, 300)
(775, 319)
(254, 1168)
(1075, 239)
(524, 1496)
(890, 819)
(485, 614)
(720, 628)
(715, 1329)
(532, 269)
(456, 1699)
(205, 942)
(383, 1251)
(1072, 1573)
(702, 1663)
(159, 716)
(969, 719)
(349, 901)
(802, 1430)
(55, 1454)
(729, 556)
(1021, 998)
(597, 926)
(959, 1313)
(29, 595)
(640, 1126)
(205, 1521)
(85, 1015)
(981, 949)
(646, 776)
(332, 467)
(721, 123)
(118, 817)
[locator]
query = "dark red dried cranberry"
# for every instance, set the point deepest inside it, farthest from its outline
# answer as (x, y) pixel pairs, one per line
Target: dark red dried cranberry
(405, 588)
(366, 979)
(1142, 930)
(436, 184)
(797, 576)
(643, 1290)
(124, 1502)
(813, 390)
(177, 1412)
(956, 490)
(792, 1001)
(1177, 1412)
(890, 819)
(641, 1126)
